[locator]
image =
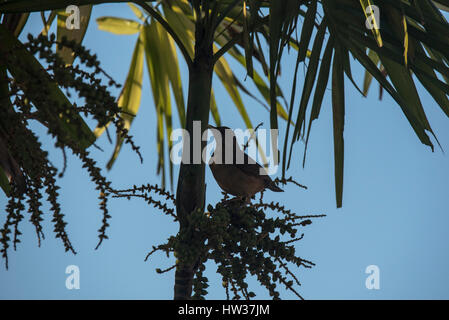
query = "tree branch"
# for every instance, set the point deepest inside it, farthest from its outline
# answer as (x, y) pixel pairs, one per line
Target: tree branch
(227, 46)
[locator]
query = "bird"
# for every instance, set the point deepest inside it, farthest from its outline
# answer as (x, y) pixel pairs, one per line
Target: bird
(242, 179)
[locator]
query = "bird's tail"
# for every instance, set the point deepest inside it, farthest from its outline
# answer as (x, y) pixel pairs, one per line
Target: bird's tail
(273, 187)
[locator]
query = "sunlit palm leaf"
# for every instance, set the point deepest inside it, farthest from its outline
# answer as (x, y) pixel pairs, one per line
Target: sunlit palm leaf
(159, 80)
(118, 25)
(367, 7)
(76, 35)
(181, 23)
(168, 73)
(139, 14)
(129, 100)
(170, 60)
(225, 74)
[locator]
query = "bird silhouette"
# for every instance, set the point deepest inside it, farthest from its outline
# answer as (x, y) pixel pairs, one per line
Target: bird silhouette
(236, 172)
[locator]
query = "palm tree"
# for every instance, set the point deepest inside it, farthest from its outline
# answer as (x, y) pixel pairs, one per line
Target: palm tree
(407, 41)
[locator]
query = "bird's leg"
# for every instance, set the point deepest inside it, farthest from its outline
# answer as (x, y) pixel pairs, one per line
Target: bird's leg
(247, 199)
(235, 199)
(241, 200)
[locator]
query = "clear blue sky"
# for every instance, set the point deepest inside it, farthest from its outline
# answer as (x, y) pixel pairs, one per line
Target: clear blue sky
(395, 208)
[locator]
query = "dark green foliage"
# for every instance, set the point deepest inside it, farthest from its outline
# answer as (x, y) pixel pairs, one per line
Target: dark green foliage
(242, 240)
(28, 99)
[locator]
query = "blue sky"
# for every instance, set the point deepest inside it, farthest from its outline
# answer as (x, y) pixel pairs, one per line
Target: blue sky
(395, 207)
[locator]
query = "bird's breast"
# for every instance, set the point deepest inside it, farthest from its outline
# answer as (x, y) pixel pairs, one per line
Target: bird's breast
(233, 181)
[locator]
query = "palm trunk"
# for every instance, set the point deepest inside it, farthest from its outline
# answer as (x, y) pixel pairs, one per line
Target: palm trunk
(190, 194)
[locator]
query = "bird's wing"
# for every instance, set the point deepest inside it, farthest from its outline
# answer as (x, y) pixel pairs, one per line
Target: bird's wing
(250, 166)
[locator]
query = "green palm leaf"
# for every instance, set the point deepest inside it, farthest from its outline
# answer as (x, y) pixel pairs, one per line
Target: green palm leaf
(129, 99)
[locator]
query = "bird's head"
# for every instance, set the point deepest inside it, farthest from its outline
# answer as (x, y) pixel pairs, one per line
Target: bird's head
(226, 141)
(221, 131)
